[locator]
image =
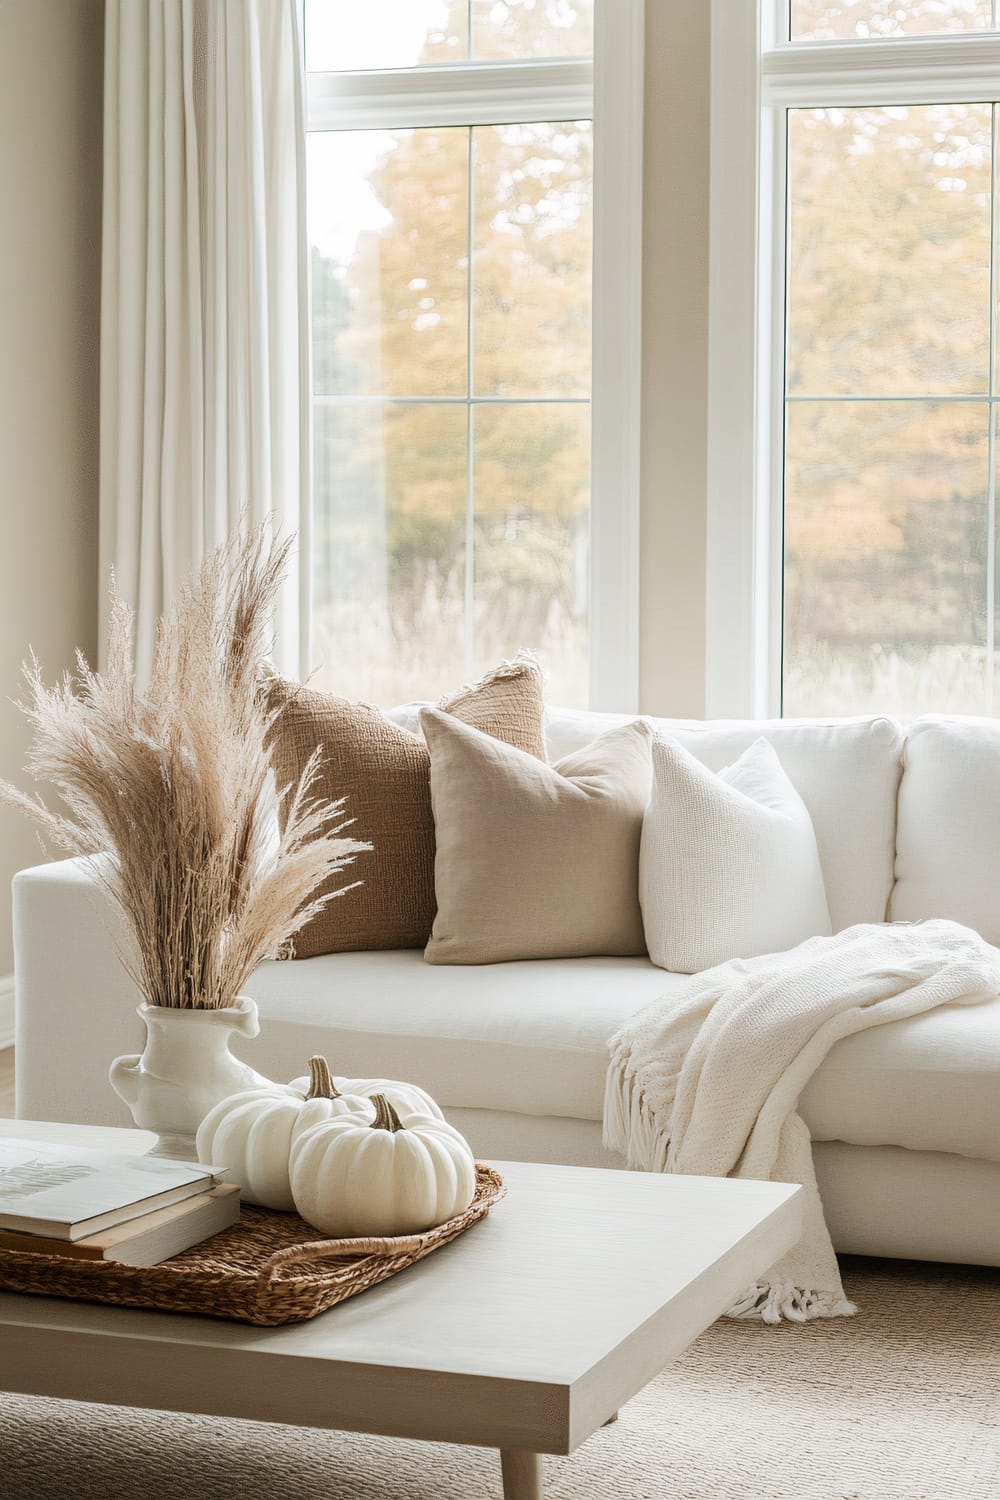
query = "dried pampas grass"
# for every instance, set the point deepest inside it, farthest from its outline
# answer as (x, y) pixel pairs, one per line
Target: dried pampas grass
(175, 785)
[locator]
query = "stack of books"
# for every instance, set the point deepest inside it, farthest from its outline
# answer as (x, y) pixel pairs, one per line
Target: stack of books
(100, 1205)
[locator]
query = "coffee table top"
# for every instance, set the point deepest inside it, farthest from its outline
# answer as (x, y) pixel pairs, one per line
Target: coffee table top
(528, 1331)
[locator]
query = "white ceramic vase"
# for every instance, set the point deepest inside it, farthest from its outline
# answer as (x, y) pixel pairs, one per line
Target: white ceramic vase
(185, 1069)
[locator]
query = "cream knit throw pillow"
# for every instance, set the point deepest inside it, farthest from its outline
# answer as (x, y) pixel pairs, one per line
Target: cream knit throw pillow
(729, 866)
(535, 861)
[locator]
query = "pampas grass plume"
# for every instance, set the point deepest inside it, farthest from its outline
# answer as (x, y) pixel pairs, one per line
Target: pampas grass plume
(174, 787)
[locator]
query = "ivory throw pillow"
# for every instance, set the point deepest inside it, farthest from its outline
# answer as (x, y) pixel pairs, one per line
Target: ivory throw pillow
(535, 861)
(384, 773)
(728, 866)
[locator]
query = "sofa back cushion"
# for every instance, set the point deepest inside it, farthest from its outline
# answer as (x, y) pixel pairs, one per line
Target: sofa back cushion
(845, 770)
(948, 833)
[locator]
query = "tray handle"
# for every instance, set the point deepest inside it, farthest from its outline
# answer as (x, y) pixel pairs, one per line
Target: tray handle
(407, 1244)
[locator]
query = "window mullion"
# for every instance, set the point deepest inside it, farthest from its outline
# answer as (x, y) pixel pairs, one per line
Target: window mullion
(470, 497)
(456, 94)
(991, 414)
(906, 70)
(740, 304)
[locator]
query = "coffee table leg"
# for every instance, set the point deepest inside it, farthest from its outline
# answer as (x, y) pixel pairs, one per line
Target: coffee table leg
(522, 1474)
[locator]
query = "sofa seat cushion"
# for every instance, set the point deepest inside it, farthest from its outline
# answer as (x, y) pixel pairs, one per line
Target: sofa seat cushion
(532, 1038)
(529, 1036)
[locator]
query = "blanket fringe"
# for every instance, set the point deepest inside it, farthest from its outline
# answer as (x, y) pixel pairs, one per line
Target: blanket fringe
(629, 1126)
(789, 1303)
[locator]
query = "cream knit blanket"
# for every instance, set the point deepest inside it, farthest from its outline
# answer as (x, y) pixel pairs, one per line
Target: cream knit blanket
(706, 1082)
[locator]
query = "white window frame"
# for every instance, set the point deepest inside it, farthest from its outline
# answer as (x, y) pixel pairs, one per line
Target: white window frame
(609, 91)
(757, 76)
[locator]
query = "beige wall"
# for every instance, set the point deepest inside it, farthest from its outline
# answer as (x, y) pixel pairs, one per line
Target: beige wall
(50, 219)
(675, 358)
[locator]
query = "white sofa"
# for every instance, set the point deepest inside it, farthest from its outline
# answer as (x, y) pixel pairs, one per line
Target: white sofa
(905, 1118)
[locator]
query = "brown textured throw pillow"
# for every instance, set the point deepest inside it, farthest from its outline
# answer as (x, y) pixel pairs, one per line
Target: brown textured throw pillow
(384, 772)
(536, 861)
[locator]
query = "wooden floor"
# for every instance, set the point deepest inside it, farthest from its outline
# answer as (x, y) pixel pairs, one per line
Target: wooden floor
(7, 1083)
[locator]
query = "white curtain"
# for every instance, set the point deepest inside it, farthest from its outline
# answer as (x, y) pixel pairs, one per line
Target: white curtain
(204, 315)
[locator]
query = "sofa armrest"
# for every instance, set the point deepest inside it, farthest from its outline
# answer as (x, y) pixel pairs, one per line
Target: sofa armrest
(75, 1005)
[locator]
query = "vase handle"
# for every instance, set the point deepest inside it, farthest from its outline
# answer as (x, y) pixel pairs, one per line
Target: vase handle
(124, 1077)
(248, 1023)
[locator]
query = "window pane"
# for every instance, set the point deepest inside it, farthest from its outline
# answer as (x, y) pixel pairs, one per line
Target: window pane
(532, 534)
(889, 255)
(532, 259)
(886, 558)
(388, 222)
(824, 20)
(343, 34)
(389, 549)
(531, 28)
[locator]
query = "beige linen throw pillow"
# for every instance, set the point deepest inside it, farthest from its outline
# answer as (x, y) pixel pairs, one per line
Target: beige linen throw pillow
(383, 771)
(535, 861)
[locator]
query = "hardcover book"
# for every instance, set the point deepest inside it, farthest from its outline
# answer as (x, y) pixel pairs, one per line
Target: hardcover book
(147, 1240)
(70, 1192)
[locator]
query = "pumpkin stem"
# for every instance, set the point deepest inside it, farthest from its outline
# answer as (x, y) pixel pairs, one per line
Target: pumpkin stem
(321, 1084)
(386, 1117)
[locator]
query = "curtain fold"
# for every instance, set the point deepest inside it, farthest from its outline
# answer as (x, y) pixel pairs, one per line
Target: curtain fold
(205, 405)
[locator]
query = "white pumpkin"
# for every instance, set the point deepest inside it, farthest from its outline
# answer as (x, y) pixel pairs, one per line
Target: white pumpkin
(405, 1098)
(252, 1132)
(356, 1178)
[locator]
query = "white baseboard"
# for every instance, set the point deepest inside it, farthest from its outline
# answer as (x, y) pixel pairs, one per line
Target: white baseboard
(6, 1010)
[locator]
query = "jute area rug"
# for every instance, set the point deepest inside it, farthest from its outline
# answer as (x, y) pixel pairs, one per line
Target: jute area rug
(902, 1403)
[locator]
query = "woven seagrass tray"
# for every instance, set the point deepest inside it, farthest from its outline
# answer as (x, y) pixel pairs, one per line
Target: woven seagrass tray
(268, 1269)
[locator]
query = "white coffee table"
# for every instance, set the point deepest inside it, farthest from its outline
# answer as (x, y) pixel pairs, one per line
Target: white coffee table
(526, 1334)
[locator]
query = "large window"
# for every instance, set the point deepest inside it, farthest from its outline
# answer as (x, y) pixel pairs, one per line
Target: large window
(450, 171)
(877, 305)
